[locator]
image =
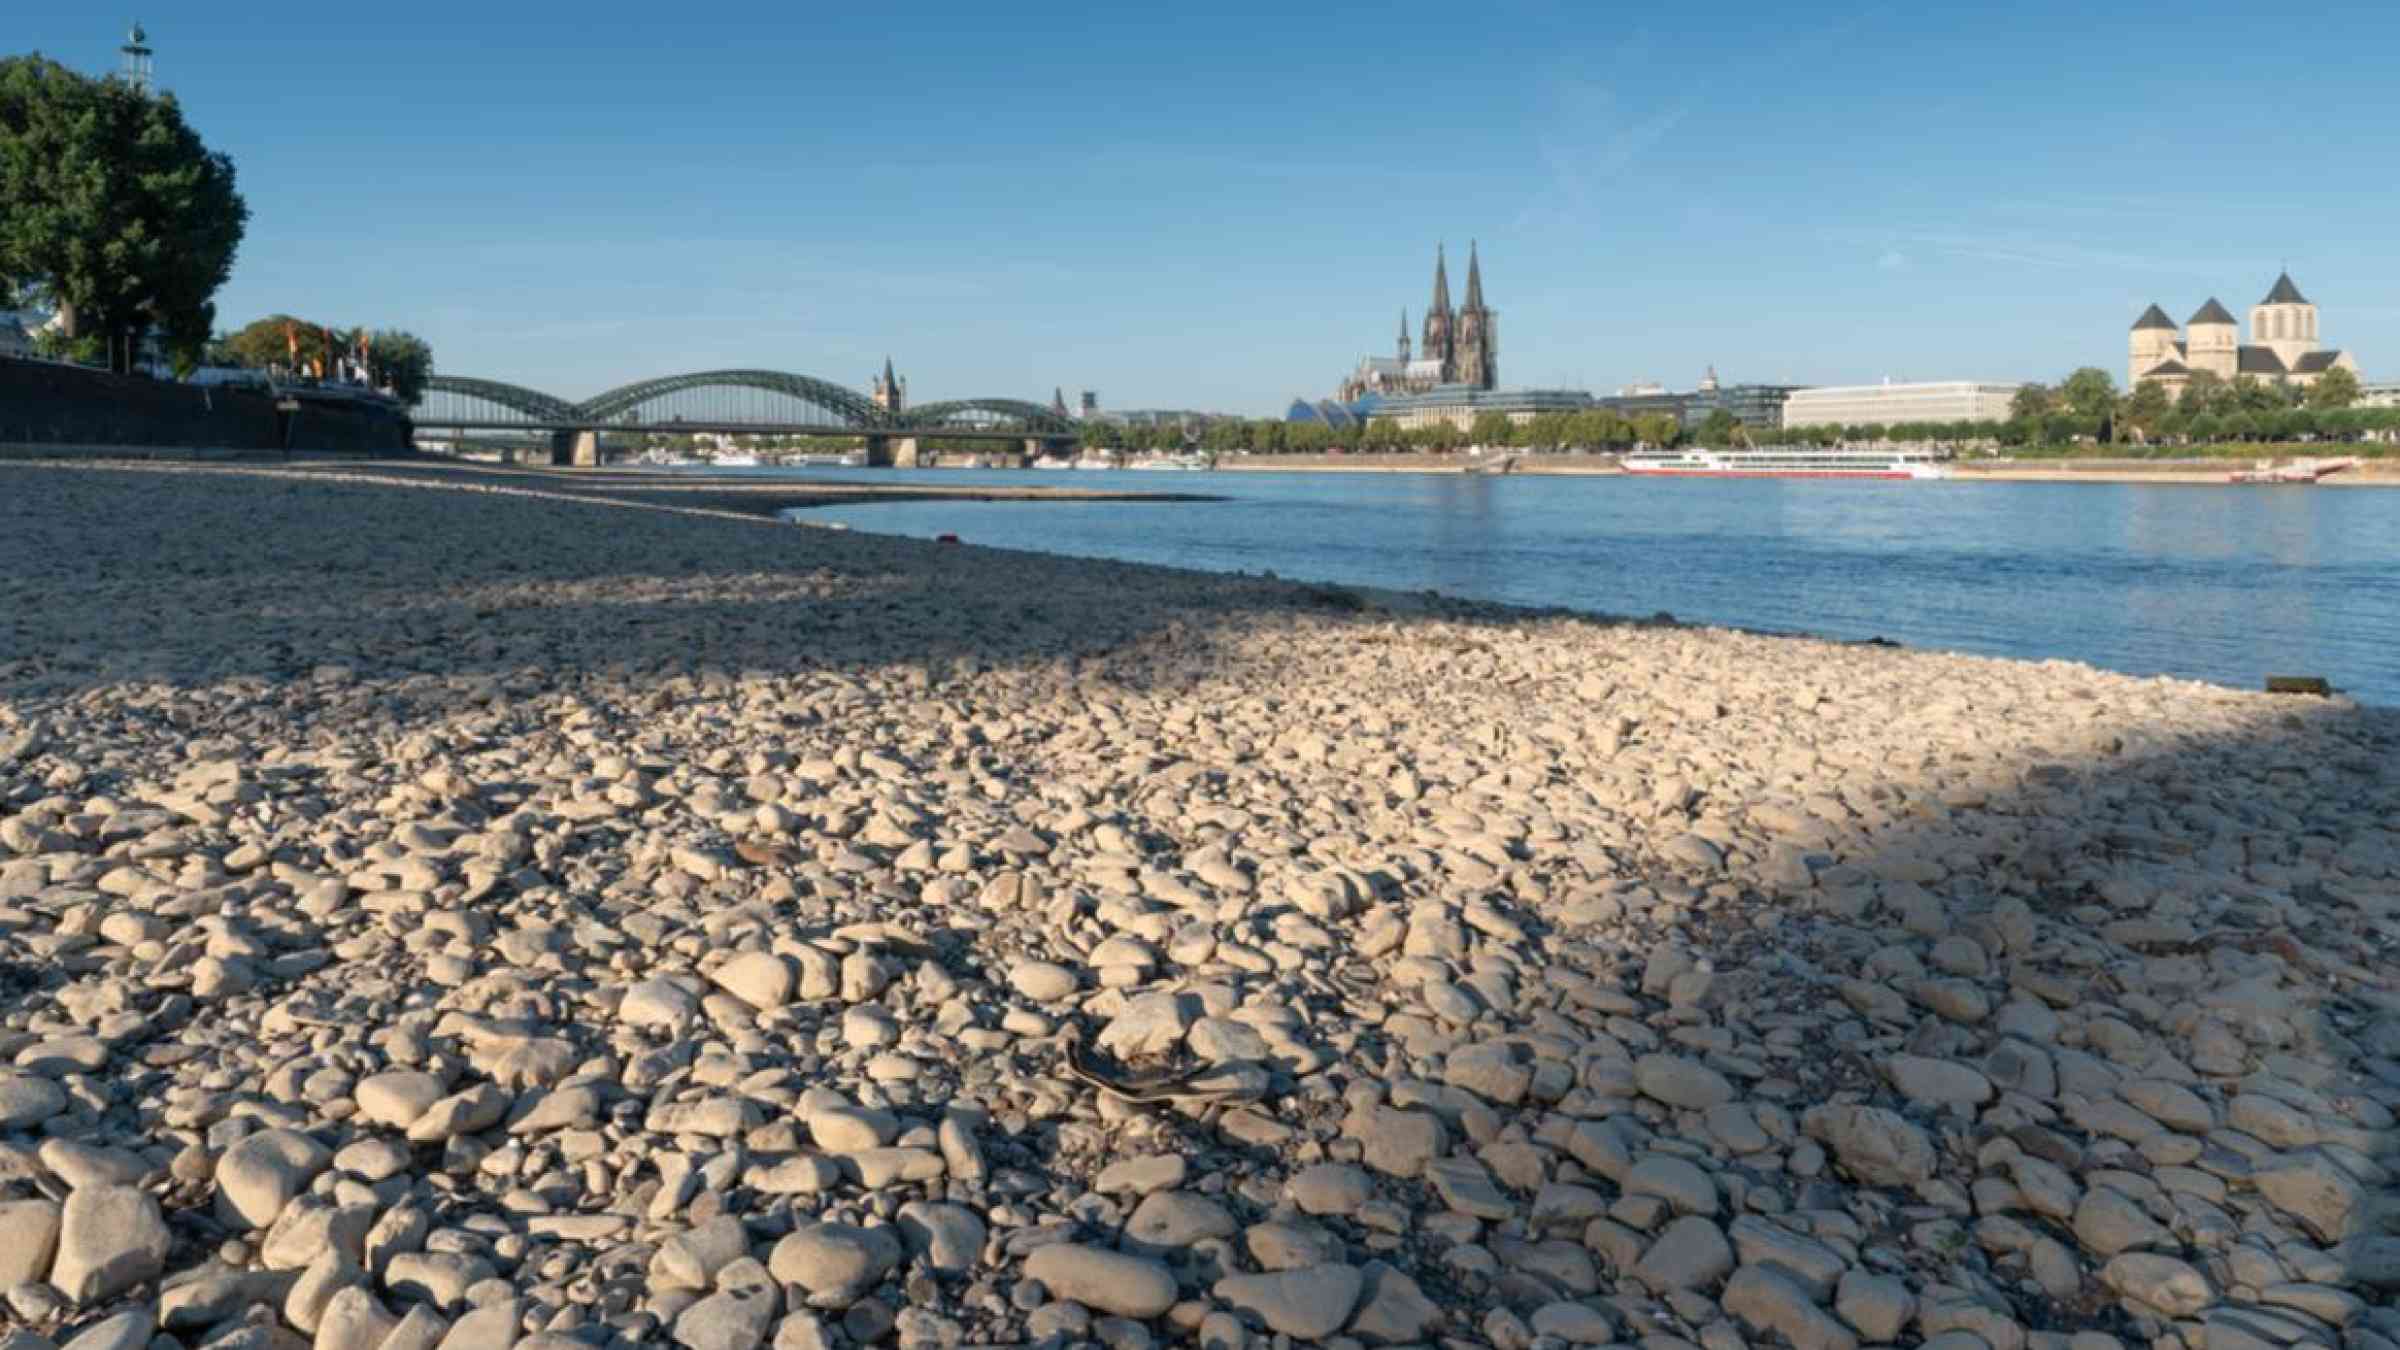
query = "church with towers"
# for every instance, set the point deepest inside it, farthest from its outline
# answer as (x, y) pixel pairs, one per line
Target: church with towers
(1459, 347)
(2283, 344)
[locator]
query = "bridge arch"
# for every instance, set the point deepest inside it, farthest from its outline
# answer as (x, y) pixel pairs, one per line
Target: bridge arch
(976, 412)
(852, 407)
(533, 403)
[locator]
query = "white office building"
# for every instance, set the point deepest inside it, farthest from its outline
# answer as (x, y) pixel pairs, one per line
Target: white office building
(2385, 395)
(1889, 404)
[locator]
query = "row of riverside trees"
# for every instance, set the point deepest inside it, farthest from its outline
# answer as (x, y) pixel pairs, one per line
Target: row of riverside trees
(2086, 413)
(400, 361)
(2083, 413)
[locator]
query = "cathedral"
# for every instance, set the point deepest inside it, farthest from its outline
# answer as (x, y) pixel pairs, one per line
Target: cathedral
(2283, 344)
(1461, 345)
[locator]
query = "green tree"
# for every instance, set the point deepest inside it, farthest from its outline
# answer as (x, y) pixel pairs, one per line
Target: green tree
(1657, 429)
(2253, 395)
(2145, 409)
(114, 210)
(2090, 392)
(2200, 393)
(401, 361)
(2031, 403)
(1491, 428)
(2336, 388)
(1717, 428)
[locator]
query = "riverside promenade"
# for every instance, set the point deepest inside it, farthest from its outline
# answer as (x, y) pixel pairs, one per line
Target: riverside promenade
(441, 911)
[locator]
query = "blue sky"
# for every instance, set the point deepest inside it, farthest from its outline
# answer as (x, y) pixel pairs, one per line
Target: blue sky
(1222, 206)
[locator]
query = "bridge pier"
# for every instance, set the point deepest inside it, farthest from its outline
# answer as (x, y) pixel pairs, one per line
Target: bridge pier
(575, 449)
(906, 454)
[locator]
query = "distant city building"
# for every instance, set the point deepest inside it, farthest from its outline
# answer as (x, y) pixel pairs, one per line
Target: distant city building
(1090, 404)
(888, 392)
(1756, 406)
(2283, 343)
(1461, 345)
(1890, 404)
(2386, 395)
(1457, 405)
(1158, 417)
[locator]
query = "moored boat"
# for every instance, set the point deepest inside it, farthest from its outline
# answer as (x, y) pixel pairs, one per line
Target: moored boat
(2292, 471)
(1840, 462)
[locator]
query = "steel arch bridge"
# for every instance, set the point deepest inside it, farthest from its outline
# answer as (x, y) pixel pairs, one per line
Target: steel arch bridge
(735, 401)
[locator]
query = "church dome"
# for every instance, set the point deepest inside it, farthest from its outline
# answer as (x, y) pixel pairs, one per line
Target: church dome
(2212, 312)
(2285, 293)
(2153, 317)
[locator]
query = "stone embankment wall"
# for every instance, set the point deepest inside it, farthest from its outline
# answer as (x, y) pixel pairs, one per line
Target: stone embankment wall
(45, 407)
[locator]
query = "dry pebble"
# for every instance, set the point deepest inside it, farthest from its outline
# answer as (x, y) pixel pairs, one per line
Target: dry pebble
(515, 916)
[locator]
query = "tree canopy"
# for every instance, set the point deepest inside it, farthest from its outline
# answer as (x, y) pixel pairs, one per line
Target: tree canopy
(2336, 388)
(112, 209)
(402, 361)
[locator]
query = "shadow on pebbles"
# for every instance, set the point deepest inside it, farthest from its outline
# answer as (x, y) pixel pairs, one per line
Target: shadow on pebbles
(434, 919)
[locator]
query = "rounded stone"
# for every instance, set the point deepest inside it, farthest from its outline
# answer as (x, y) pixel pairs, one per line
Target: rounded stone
(1307, 1305)
(1042, 981)
(27, 1100)
(110, 1238)
(1682, 1082)
(1112, 1282)
(1330, 1188)
(259, 1176)
(761, 979)
(836, 1263)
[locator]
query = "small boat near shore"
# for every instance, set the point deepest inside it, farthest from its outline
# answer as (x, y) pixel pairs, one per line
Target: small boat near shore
(1839, 462)
(2292, 471)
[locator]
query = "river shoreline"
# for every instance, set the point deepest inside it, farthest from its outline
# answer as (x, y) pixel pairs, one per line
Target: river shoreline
(438, 906)
(2371, 473)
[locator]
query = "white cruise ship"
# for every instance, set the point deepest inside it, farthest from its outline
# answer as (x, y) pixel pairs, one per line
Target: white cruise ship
(1841, 462)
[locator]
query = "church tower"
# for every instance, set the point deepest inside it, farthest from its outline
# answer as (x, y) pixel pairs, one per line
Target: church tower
(1477, 359)
(1438, 321)
(2284, 321)
(2210, 342)
(1404, 338)
(2151, 345)
(890, 394)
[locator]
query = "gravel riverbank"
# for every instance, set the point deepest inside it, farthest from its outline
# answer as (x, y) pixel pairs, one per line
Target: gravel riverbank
(442, 919)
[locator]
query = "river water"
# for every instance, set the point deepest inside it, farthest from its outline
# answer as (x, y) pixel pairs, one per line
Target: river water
(2217, 583)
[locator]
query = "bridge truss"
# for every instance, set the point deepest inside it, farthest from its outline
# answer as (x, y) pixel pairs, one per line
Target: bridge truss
(765, 402)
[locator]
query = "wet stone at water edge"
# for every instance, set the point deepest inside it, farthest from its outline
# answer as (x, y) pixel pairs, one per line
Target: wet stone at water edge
(567, 923)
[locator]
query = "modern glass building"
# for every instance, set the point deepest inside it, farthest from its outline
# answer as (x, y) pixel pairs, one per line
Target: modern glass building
(1756, 406)
(1456, 404)
(1649, 402)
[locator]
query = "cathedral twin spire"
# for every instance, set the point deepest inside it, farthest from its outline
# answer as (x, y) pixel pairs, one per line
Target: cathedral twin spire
(1462, 339)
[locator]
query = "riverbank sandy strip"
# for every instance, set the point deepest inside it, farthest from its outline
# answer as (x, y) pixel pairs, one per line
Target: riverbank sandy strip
(440, 913)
